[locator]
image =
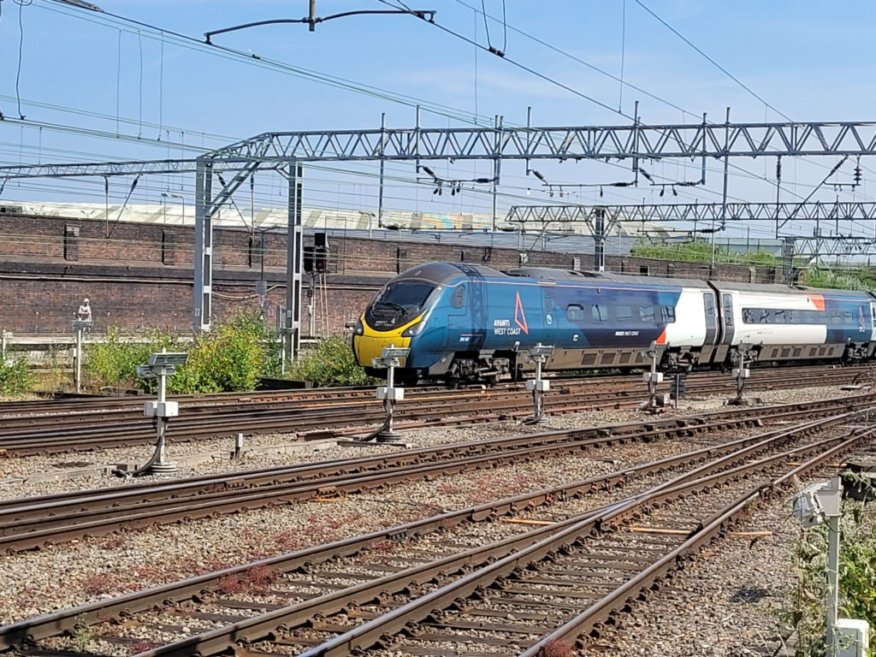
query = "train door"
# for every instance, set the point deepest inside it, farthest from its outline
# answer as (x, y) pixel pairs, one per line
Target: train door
(468, 312)
(711, 323)
(873, 321)
(729, 323)
(711, 318)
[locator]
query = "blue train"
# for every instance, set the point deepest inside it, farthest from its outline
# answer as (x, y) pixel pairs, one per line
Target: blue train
(465, 322)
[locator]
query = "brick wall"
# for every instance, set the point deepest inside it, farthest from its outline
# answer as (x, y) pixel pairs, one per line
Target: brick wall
(139, 276)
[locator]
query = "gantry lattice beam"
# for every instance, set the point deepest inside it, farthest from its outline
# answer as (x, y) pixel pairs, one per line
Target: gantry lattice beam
(587, 142)
(82, 169)
(695, 212)
(815, 247)
(601, 219)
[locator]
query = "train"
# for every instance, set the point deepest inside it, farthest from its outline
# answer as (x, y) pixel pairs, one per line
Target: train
(465, 322)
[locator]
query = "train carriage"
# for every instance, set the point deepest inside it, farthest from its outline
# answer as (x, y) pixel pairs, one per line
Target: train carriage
(774, 323)
(465, 322)
(470, 322)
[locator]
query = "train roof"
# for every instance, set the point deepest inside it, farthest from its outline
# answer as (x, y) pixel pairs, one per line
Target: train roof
(548, 274)
(442, 272)
(781, 288)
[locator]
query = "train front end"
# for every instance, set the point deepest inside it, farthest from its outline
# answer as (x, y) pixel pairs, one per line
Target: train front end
(394, 318)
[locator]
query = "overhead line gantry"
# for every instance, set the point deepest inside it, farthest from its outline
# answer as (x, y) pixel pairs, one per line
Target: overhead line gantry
(285, 152)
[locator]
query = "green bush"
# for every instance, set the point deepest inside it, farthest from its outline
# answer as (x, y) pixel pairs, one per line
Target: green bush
(114, 363)
(232, 357)
(701, 251)
(331, 364)
(229, 358)
(842, 279)
(15, 377)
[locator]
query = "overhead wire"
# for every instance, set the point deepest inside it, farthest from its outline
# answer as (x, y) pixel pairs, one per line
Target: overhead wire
(162, 32)
(710, 60)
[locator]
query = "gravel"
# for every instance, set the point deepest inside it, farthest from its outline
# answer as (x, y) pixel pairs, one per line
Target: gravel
(72, 574)
(27, 477)
(726, 603)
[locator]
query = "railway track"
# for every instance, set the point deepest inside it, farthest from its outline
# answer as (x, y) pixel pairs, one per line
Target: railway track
(36, 521)
(443, 585)
(44, 429)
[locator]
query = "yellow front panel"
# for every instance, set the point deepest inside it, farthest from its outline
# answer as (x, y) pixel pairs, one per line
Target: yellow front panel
(370, 344)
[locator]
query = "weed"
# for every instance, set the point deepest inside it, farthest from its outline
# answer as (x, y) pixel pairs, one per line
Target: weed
(288, 540)
(15, 377)
(99, 583)
(231, 584)
(142, 646)
(259, 576)
(557, 649)
(804, 612)
(81, 636)
(331, 364)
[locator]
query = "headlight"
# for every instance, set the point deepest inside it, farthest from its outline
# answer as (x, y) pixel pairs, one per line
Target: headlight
(358, 329)
(416, 329)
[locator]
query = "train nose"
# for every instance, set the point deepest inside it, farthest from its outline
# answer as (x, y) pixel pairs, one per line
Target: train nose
(370, 343)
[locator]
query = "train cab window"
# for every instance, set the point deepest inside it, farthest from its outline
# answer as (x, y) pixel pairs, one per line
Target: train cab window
(458, 298)
(405, 296)
(669, 314)
(598, 313)
(574, 313)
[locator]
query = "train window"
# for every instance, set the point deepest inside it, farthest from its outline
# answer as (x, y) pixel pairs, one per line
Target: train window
(574, 313)
(598, 314)
(790, 316)
(623, 313)
(647, 314)
(727, 301)
(404, 295)
(669, 314)
(548, 304)
(458, 298)
(747, 316)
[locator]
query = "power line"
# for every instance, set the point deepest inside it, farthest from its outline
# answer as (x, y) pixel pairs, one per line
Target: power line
(711, 61)
(514, 62)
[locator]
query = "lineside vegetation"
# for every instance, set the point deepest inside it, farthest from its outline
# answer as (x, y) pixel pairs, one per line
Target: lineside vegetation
(805, 611)
(700, 251)
(230, 358)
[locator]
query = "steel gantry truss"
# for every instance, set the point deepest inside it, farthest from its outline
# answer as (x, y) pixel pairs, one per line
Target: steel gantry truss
(697, 212)
(587, 142)
(104, 169)
(600, 219)
(285, 151)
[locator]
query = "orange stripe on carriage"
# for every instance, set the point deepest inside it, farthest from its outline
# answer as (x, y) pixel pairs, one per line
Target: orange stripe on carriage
(817, 300)
(661, 339)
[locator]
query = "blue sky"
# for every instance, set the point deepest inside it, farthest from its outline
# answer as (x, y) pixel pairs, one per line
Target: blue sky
(85, 77)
